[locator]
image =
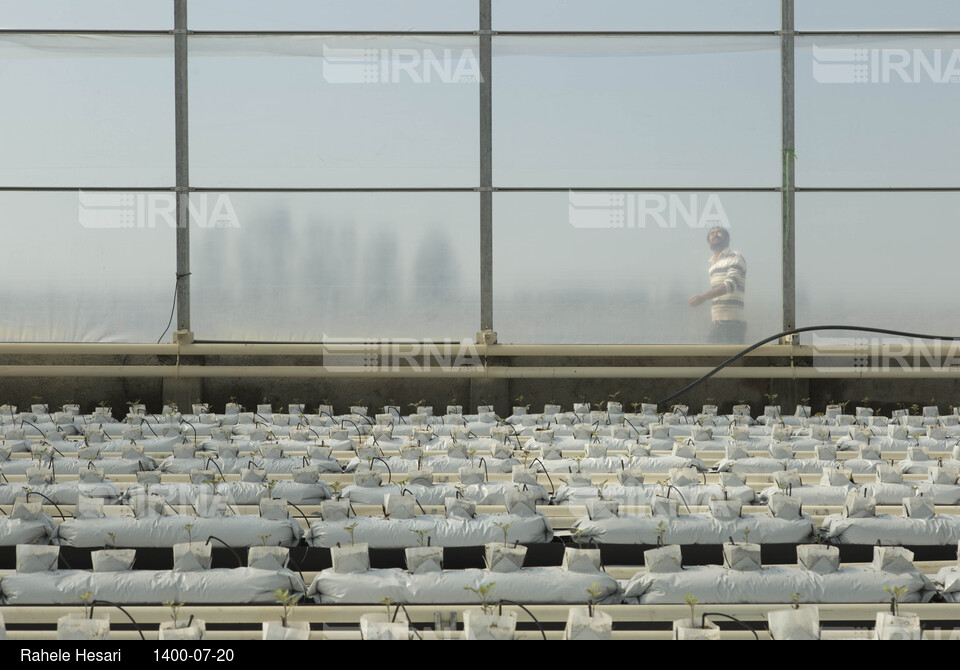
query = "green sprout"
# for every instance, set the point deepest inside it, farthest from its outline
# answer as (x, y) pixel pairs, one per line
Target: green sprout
(483, 593)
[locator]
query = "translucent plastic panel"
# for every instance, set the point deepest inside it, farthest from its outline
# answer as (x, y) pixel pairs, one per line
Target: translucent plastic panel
(345, 111)
(87, 267)
(87, 14)
(597, 267)
(639, 15)
(308, 267)
(876, 15)
(877, 111)
(86, 111)
(877, 259)
(353, 15)
(612, 112)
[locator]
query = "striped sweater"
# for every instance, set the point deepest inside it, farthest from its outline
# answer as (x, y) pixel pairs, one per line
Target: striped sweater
(729, 270)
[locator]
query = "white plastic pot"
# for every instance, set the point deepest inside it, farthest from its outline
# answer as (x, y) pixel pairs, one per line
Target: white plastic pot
(582, 626)
(903, 627)
(685, 629)
(275, 630)
(480, 626)
(78, 627)
(795, 624)
(197, 630)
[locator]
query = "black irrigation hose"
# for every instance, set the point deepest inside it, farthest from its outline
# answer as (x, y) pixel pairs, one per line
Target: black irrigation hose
(94, 603)
(144, 421)
(703, 621)
(233, 551)
(37, 493)
(296, 566)
(682, 499)
(794, 331)
(386, 465)
(486, 471)
(302, 513)
(553, 489)
(343, 421)
(196, 440)
(529, 613)
(210, 461)
(409, 620)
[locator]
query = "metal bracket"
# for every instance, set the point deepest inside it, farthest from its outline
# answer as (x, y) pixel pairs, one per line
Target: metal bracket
(183, 337)
(486, 337)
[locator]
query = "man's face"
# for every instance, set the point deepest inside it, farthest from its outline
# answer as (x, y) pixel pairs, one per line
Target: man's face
(717, 239)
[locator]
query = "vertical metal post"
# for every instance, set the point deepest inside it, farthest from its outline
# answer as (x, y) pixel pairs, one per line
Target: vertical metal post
(486, 175)
(788, 158)
(182, 164)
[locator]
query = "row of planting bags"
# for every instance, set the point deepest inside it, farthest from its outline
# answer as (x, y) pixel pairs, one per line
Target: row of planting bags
(817, 578)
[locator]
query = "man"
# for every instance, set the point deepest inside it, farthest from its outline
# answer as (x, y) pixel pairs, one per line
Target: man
(728, 275)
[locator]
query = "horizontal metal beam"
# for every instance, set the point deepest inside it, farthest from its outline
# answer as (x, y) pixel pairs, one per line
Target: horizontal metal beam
(449, 372)
(466, 347)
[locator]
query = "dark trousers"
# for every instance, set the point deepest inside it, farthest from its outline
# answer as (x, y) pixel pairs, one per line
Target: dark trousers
(727, 332)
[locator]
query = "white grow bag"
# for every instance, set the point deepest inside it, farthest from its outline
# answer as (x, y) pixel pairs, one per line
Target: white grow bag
(543, 586)
(150, 587)
(695, 529)
(444, 532)
(717, 585)
(939, 530)
(236, 531)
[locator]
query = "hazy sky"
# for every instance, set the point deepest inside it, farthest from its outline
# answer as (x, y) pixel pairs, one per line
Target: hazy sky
(627, 112)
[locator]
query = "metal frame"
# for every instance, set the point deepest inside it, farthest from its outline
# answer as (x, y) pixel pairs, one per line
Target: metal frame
(485, 188)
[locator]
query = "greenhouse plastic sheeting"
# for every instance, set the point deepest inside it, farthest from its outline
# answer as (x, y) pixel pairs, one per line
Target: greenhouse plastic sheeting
(885, 528)
(440, 464)
(948, 583)
(150, 587)
(488, 493)
(613, 463)
(236, 531)
(22, 531)
(396, 533)
(720, 586)
(812, 494)
(72, 466)
(695, 529)
(541, 586)
(150, 444)
(893, 494)
(233, 466)
(641, 495)
(235, 493)
(911, 467)
(62, 493)
(250, 493)
(760, 465)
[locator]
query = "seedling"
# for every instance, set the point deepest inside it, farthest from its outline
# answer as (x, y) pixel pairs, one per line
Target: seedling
(352, 527)
(692, 601)
(86, 598)
(272, 484)
(594, 592)
(746, 535)
(503, 527)
(264, 538)
(175, 608)
(660, 532)
(189, 529)
(113, 540)
(483, 593)
(286, 600)
(422, 536)
(387, 602)
(795, 600)
(896, 592)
